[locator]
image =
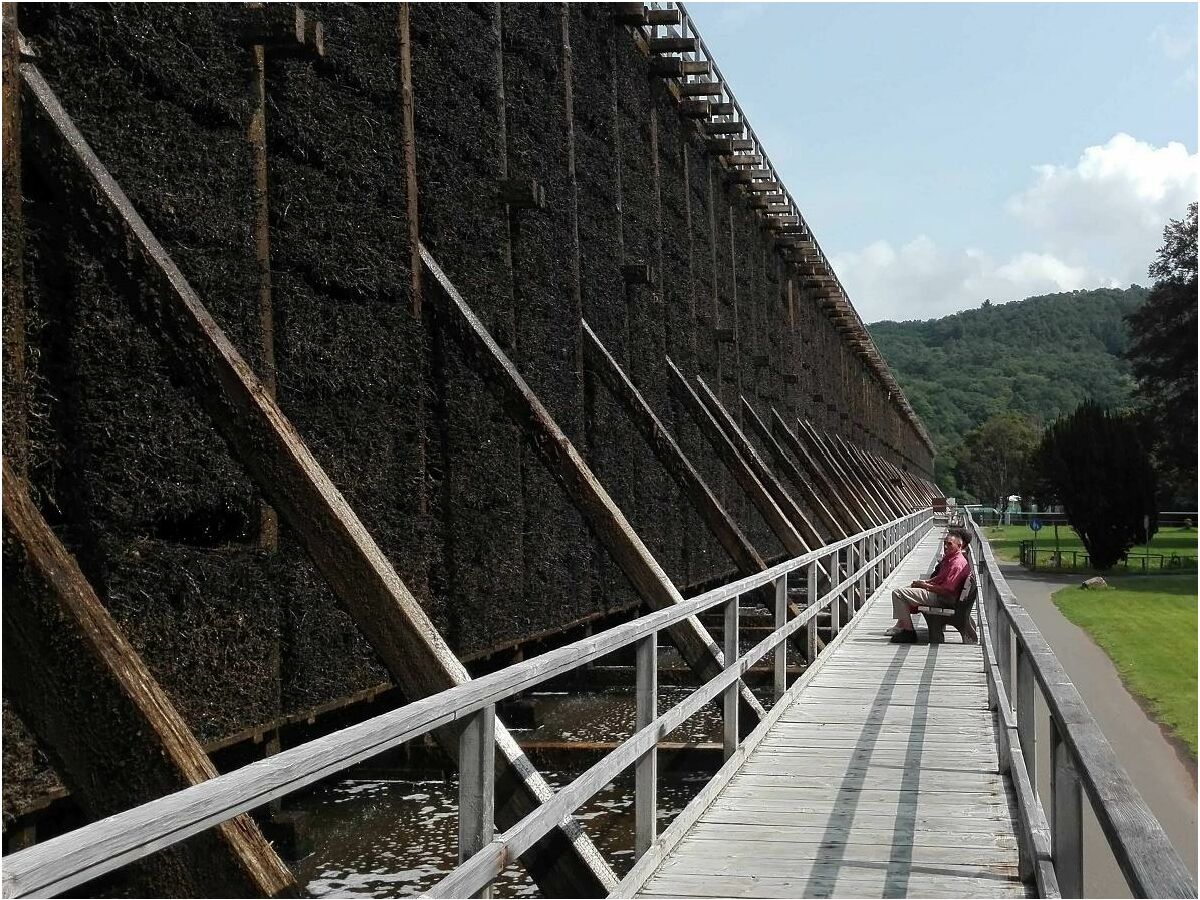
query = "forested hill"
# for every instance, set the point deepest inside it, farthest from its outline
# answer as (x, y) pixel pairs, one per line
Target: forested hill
(1041, 356)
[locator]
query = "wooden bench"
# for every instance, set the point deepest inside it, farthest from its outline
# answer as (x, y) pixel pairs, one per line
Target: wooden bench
(937, 617)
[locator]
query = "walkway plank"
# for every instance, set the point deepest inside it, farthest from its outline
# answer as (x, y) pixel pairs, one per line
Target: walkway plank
(881, 780)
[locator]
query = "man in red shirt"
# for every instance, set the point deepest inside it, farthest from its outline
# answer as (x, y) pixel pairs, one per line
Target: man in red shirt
(947, 581)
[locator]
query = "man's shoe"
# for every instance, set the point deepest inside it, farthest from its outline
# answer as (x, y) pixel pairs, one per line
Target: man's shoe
(895, 629)
(904, 637)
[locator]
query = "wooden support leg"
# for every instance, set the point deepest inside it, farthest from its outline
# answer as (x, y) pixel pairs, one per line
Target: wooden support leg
(61, 643)
(1066, 818)
(646, 771)
(477, 785)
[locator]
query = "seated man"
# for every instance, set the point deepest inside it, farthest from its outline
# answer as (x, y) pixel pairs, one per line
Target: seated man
(947, 581)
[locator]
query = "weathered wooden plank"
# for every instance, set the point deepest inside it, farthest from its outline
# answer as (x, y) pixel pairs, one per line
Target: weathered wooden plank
(121, 699)
(847, 879)
(563, 461)
(264, 441)
(735, 856)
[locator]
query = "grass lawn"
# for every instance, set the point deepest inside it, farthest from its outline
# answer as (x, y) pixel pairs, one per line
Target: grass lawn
(1006, 540)
(1147, 626)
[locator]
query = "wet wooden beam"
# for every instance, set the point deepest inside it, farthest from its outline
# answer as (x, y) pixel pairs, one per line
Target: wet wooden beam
(70, 671)
(561, 459)
(700, 88)
(276, 458)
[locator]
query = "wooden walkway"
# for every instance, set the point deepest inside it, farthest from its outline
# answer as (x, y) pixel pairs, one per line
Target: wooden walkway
(880, 780)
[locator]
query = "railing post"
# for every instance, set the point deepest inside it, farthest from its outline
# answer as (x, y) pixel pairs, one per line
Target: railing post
(646, 770)
(1066, 817)
(477, 785)
(1004, 651)
(1026, 721)
(835, 608)
(781, 647)
(730, 694)
(810, 630)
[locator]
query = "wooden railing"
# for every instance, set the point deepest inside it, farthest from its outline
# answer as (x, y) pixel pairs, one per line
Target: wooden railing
(860, 563)
(1019, 662)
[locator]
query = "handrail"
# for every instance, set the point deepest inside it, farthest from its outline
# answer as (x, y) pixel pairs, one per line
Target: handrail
(79, 856)
(1081, 756)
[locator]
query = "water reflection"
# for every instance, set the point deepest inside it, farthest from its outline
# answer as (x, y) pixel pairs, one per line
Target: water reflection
(378, 833)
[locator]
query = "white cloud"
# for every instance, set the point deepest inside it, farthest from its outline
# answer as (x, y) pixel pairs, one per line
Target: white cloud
(921, 280)
(1095, 223)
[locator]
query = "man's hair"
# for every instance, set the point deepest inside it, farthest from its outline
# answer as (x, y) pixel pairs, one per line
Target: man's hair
(964, 536)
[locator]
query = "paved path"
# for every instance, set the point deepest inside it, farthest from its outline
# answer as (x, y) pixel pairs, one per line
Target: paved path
(880, 780)
(1164, 780)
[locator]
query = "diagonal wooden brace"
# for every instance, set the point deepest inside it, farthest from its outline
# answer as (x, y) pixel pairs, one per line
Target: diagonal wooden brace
(789, 467)
(77, 681)
(851, 518)
(761, 471)
(605, 520)
(677, 465)
(264, 441)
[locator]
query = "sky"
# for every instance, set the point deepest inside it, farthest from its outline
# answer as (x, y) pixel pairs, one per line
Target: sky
(948, 153)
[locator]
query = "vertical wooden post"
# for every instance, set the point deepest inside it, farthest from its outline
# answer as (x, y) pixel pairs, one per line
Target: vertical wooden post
(646, 770)
(477, 785)
(1066, 817)
(781, 609)
(256, 135)
(835, 608)
(1004, 652)
(810, 630)
(730, 694)
(15, 406)
(1026, 709)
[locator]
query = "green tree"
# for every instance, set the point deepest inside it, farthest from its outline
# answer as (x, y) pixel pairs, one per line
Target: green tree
(993, 460)
(1162, 353)
(1097, 465)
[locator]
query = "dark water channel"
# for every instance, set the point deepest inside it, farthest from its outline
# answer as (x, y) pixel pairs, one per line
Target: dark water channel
(384, 832)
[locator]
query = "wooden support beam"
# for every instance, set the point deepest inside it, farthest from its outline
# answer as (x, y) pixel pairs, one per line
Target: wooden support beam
(723, 109)
(722, 128)
(561, 459)
(851, 519)
(673, 45)
(700, 88)
(725, 146)
(697, 67)
(810, 494)
(662, 16)
(695, 109)
(738, 160)
(800, 521)
(765, 187)
(78, 683)
(780, 526)
(262, 439)
(858, 494)
(881, 489)
(677, 465)
(750, 174)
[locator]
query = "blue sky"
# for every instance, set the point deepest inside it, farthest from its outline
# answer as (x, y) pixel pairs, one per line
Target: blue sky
(945, 153)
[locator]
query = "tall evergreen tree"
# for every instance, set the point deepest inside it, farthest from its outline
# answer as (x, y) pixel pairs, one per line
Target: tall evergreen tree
(1097, 465)
(1162, 354)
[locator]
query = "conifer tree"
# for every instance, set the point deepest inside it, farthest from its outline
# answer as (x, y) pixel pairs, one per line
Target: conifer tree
(1097, 465)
